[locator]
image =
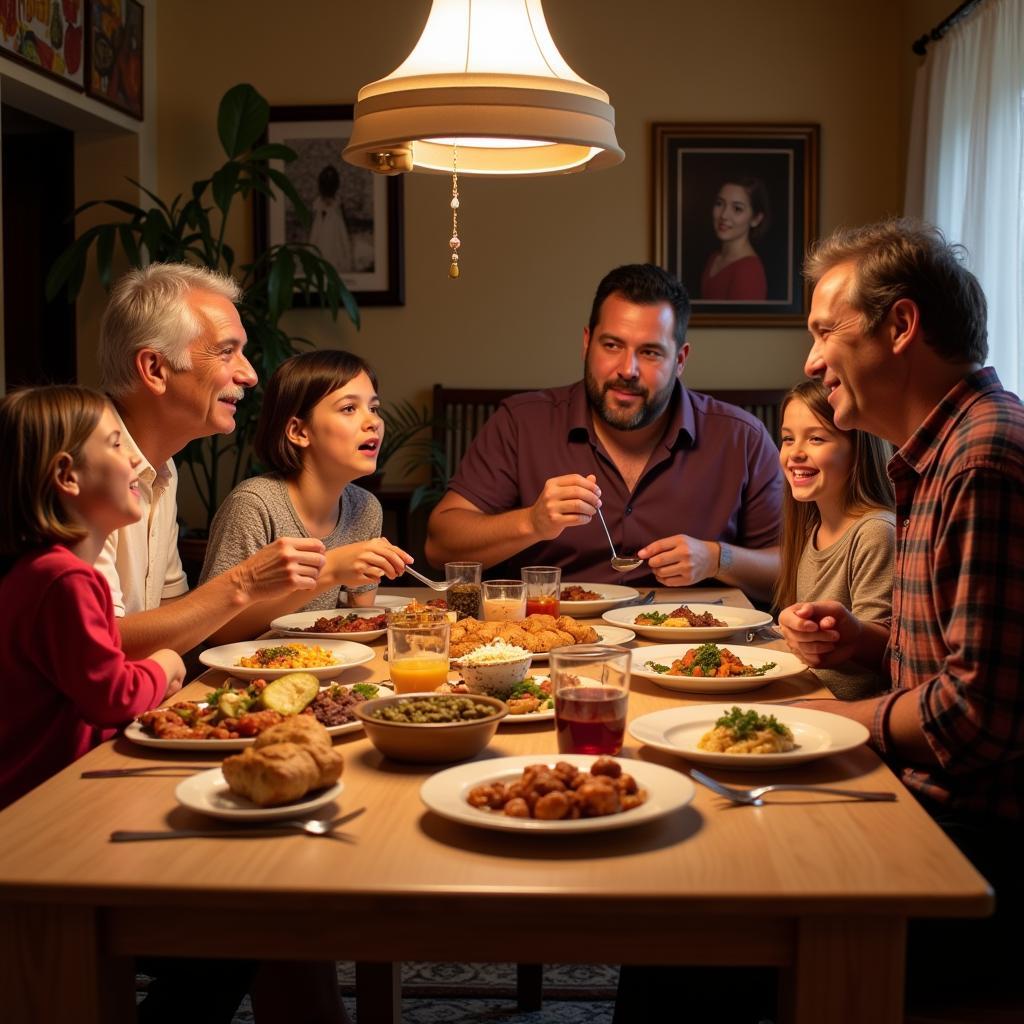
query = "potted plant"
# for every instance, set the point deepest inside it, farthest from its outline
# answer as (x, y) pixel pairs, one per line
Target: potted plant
(191, 228)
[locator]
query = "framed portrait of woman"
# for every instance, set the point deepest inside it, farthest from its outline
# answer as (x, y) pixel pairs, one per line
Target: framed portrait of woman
(735, 208)
(356, 216)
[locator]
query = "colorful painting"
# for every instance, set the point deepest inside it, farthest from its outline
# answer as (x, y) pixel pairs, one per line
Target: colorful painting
(46, 34)
(115, 54)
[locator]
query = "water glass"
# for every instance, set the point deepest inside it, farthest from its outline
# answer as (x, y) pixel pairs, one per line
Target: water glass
(418, 652)
(504, 600)
(543, 583)
(464, 593)
(590, 684)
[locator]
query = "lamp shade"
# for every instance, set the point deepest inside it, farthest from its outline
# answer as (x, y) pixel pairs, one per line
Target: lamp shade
(486, 77)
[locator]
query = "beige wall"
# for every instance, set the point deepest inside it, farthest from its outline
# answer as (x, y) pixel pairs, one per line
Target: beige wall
(534, 250)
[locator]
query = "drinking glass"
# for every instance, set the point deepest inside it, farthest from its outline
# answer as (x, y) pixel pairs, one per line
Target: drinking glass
(504, 600)
(463, 580)
(591, 689)
(418, 652)
(543, 583)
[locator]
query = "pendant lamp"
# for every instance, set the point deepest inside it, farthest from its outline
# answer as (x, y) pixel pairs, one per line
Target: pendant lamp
(484, 92)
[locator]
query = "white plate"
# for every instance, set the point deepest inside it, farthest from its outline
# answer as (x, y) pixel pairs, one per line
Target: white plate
(346, 653)
(816, 733)
(134, 732)
(445, 794)
(607, 635)
(786, 664)
(293, 625)
(208, 793)
(738, 619)
(611, 595)
(546, 715)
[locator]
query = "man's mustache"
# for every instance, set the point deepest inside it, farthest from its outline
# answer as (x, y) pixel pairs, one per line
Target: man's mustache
(630, 389)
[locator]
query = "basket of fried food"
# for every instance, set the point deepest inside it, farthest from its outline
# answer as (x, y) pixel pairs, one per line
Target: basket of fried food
(286, 762)
(537, 634)
(562, 792)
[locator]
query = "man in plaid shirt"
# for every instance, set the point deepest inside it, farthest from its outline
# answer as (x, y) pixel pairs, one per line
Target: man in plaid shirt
(898, 327)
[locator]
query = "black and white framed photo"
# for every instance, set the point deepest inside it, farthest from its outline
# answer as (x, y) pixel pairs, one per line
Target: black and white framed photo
(356, 215)
(735, 208)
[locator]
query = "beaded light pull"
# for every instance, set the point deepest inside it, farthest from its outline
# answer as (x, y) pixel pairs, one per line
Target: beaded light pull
(453, 242)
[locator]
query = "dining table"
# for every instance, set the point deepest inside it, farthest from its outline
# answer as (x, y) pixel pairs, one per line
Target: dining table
(818, 887)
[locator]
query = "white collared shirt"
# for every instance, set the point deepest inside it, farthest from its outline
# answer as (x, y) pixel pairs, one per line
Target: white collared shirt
(140, 561)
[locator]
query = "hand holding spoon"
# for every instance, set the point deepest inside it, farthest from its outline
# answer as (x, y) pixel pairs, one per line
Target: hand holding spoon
(620, 563)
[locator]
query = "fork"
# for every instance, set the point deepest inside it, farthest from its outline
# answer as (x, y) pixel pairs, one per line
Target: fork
(151, 770)
(315, 827)
(764, 633)
(754, 797)
(423, 579)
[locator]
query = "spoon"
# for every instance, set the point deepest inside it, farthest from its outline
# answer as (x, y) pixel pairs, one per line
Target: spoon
(620, 563)
(423, 579)
(277, 828)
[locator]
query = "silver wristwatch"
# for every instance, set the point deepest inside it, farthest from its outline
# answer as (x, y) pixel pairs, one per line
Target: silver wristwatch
(724, 556)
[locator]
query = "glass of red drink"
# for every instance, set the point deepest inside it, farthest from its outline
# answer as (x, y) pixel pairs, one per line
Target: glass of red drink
(543, 583)
(591, 688)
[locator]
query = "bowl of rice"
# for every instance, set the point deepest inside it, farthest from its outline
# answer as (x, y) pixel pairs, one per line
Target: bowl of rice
(494, 669)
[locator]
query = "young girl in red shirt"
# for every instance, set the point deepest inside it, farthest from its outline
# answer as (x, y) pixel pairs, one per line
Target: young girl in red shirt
(66, 483)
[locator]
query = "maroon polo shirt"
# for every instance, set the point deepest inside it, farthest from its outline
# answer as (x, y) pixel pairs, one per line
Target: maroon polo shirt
(715, 476)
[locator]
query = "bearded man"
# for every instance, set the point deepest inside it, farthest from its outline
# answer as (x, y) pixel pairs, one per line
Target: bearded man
(690, 484)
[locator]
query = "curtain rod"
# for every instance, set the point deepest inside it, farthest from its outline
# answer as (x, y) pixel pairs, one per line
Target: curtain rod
(920, 46)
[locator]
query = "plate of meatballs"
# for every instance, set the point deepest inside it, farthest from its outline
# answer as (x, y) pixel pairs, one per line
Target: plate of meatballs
(564, 793)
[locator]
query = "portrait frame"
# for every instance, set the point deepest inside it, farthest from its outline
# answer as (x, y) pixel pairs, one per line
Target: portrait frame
(369, 206)
(694, 166)
(115, 56)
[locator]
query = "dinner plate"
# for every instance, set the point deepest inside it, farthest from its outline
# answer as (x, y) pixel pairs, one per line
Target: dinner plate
(208, 793)
(786, 664)
(816, 733)
(445, 794)
(737, 619)
(134, 732)
(546, 715)
(611, 595)
(607, 635)
(294, 624)
(345, 653)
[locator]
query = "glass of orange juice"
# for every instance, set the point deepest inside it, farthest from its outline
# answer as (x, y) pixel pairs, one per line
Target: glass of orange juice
(418, 653)
(543, 584)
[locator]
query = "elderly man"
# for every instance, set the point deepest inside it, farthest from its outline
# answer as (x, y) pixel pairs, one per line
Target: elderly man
(171, 358)
(690, 484)
(898, 327)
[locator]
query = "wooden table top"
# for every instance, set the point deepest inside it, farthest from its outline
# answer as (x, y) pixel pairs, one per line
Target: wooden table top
(794, 857)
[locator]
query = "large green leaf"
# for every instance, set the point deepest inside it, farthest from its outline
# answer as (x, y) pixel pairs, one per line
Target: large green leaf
(242, 119)
(66, 268)
(224, 185)
(280, 284)
(274, 151)
(283, 182)
(105, 254)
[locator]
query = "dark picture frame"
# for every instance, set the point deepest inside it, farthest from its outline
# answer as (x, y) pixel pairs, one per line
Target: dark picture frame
(115, 56)
(56, 51)
(723, 189)
(358, 220)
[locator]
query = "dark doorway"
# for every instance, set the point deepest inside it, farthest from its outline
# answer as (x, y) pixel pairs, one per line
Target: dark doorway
(38, 200)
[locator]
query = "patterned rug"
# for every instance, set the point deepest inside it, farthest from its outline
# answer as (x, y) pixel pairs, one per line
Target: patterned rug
(435, 993)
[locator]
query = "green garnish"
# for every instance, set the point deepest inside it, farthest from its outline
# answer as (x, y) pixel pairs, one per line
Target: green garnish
(744, 723)
(655, 667)
(367, 690)
(270, 653)
(528, 688)
(650, 619)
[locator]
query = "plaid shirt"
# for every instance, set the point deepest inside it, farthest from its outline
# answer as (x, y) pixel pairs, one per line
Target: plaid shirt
(958, 600)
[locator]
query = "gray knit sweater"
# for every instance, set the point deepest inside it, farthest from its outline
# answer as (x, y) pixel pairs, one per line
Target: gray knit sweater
(258, 511)
(856, 571)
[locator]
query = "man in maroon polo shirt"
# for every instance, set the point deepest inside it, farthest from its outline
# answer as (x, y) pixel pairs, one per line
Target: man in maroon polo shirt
(691, 484)
(899, 338)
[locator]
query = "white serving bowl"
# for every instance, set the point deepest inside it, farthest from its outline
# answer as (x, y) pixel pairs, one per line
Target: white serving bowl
(495, 669)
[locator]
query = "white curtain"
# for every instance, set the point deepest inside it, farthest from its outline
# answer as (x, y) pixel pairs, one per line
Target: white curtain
(965, 171)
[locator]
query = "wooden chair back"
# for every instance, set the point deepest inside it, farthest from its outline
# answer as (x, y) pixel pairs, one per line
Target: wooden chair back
(459, 413)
